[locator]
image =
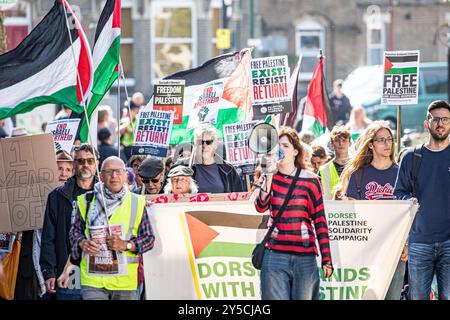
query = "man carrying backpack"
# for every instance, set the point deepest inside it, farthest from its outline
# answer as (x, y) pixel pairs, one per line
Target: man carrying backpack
(424, 176)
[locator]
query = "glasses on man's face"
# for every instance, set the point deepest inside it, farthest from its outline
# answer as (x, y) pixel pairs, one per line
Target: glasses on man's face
(111, 172)
(154, 180)
(384, 140)
(83, 161)
(207, 142)
(436, 120)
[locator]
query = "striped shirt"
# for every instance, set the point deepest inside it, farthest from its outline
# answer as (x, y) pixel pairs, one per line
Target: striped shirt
(304, 208)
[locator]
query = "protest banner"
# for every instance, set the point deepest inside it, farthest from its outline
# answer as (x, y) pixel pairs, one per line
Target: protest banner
(28, 173)
(6, 241)
(206, 104)
(401, 77)
(168, 95)
(152, 133)
(269, 85)
(236, 147)
(64, 132)
(106, 262)
(203, 251)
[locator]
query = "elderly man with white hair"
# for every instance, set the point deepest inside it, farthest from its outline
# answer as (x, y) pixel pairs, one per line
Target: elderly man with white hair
(181, 181)
(212, 173)
(124, 209)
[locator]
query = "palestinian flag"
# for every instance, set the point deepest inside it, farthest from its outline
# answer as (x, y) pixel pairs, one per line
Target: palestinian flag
(42, 70)
(106, 58)
(223, 234)
(288, 119)
(220, 245)
(317, 114)
(235, 103)
(406, 64)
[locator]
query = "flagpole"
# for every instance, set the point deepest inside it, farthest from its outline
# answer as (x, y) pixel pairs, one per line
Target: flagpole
(122, 73)
(399, 127)
(118, 114)
(83, 103)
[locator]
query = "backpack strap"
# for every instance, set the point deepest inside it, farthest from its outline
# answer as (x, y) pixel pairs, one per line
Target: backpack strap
(417, 159)
(358, 178)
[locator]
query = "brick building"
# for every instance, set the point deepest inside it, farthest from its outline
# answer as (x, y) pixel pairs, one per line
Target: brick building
(160, 37)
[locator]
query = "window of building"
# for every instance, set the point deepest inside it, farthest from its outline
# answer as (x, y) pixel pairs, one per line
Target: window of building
(173, 37)
(17, 24)
(309, 40)
(376, 44)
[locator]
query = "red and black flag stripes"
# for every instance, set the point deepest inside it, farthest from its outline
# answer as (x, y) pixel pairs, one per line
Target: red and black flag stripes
(48, 66)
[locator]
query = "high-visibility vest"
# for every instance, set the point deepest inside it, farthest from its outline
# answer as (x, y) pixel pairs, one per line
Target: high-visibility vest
(129, 214)
(330, 179)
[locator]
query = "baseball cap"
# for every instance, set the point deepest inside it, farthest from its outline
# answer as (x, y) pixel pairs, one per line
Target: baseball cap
(180, 171)
(150, 168)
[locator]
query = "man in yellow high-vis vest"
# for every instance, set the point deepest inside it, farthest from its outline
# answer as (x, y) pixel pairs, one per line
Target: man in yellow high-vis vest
(331, 172)
(108, 242)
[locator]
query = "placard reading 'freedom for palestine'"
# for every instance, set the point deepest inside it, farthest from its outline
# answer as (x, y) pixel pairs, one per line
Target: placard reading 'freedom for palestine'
(169, 95)
(401, 77)
(269, 85)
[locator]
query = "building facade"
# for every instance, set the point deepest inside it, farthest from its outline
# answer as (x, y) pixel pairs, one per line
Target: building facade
(160, 37)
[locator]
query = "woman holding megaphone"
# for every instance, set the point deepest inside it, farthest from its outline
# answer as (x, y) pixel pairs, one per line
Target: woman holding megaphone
(293, 195)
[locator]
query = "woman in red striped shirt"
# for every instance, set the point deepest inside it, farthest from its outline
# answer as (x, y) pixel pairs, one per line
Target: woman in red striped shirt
(289, 270)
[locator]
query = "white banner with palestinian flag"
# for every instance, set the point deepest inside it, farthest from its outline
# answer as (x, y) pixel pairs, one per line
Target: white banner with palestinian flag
(42, 69)
(203, 250)
(401, 77)
(228, 70)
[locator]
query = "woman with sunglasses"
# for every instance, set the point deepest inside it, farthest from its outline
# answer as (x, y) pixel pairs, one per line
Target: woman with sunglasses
(371, 175)
(289, 269)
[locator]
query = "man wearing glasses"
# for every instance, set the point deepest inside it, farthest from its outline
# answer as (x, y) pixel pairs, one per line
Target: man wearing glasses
(109, 265)
(429, 237)
(151, 173)
(212, 173)
(55, 247)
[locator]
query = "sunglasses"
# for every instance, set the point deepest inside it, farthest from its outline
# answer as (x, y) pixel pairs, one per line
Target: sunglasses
(207, 142)
(155, 180)
(82, 161)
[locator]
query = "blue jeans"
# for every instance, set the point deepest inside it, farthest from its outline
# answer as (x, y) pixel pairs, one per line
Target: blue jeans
(287, 276)
(395, 288)
(425, 260)
(68, 294)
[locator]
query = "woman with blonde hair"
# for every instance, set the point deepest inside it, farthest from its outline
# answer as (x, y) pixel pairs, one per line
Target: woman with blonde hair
(371, 175)
(358, 121)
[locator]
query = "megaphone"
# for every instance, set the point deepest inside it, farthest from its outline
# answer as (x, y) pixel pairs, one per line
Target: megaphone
(263, 138)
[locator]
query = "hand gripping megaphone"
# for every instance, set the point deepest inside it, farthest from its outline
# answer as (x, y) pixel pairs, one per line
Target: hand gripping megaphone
(263, 139)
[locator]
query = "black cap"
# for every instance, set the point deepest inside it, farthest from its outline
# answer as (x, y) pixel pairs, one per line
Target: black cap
(103, 134)
(180, 171)
(150, 168)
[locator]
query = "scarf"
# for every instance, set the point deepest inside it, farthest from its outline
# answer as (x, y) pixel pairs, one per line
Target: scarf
(97, 216)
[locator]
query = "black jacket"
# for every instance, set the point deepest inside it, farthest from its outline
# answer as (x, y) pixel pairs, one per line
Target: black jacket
(228, 174)
(108, 150)
(55, 245)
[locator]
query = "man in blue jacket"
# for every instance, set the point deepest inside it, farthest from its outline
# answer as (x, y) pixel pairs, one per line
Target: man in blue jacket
(429, 238)
(55, 245)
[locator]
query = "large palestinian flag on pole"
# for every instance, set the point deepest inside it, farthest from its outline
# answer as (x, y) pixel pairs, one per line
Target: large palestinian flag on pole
(48, 66)
(106, 58)
(317, 114)
(219, 88)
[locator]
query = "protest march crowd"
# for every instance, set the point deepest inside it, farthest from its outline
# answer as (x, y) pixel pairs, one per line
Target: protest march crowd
(97, 227)
(363, 169)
